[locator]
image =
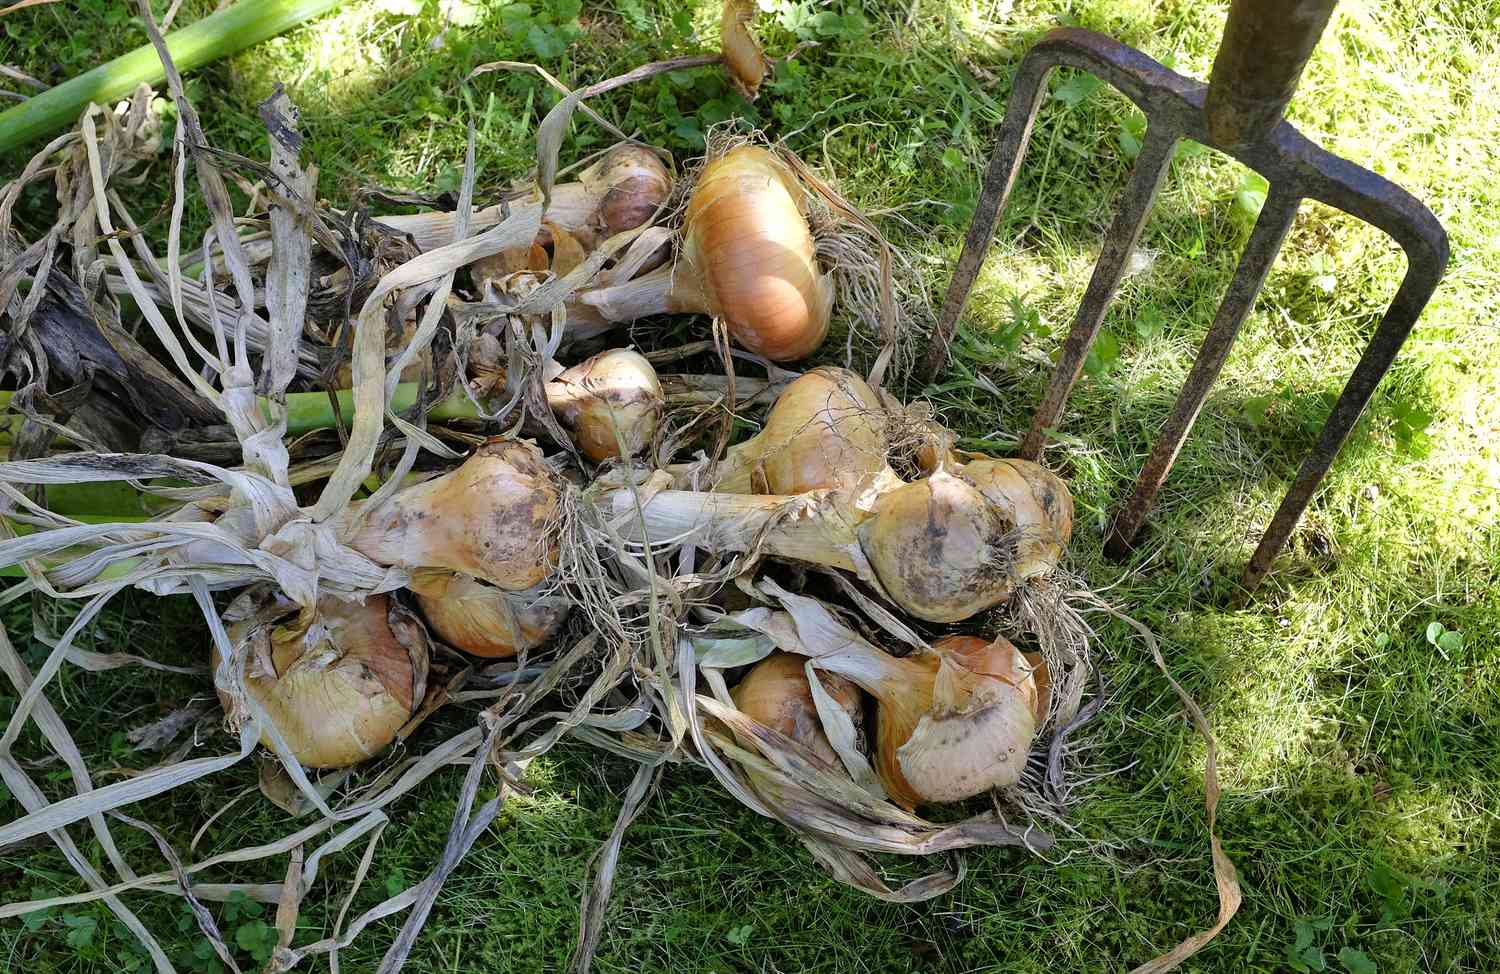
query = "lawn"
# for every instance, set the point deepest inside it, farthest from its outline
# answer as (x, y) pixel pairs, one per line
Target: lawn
(1359, 744)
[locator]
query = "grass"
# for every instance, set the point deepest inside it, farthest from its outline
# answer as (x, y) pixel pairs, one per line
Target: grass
(1359, 758)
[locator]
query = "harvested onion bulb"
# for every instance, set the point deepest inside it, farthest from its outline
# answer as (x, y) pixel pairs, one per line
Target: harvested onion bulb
(607, 401)
(495, 517)
(339, 683)
(951, 724)
(826, 430)
(776, 693)
(747, 257)
(618, 192)
(943, 548)
(483, 620)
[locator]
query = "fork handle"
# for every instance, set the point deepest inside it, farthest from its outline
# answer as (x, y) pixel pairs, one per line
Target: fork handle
(1266, 45)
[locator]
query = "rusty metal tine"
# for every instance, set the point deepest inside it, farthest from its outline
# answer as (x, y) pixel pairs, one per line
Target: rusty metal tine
(1010, 151)
(1119, 243)
(1422, 276)
(1260, 252)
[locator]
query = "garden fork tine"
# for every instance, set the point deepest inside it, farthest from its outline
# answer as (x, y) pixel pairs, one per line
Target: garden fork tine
(1266, 44)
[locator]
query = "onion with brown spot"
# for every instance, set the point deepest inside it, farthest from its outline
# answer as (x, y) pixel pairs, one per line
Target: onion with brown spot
(495, 517)
(943, 548)
(609, 400)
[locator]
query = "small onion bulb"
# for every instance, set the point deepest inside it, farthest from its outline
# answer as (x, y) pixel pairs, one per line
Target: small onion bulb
(618, 192)
(776, 693)
(340, 682)
(614, 392)
(482, 620)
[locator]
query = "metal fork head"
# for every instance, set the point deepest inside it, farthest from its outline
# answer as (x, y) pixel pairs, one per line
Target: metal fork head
(1239, 113)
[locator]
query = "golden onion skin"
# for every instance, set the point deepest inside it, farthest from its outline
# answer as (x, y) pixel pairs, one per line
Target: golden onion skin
(1000, 659)
(482, 620)
(776, 693)
(747, 242)
(826, 430)
(494, 517)
(338, 683)
(616, 388)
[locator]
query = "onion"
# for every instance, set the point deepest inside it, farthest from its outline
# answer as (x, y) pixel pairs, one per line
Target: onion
(618, 192)
(495, 517)
(340, 682)
(743, 56)
(826, 430)
(776, 693)
(747, 257)
(479, 618)
(943, 548)
(611, 399)
(952, 723)
(957, 543)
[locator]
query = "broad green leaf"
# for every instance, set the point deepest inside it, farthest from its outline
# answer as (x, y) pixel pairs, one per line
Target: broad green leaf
(1357, 961)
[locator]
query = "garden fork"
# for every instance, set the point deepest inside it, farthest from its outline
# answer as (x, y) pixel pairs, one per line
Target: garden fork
(1265, 46)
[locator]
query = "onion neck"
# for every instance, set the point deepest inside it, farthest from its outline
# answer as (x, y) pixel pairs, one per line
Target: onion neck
(670, 289)
(820, 527)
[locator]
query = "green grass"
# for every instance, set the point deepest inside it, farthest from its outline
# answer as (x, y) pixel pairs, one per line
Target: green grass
(1359, 761)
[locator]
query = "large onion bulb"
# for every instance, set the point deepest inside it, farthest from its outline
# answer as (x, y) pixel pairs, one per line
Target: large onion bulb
(951, 724)
(747, 257)
(943, 548)
(495, 517)
(338, 682)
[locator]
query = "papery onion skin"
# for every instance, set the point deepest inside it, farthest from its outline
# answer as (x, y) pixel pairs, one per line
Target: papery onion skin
(776, 693)
(747, 243)
(616, 390)
(827, 430)
(999, 658)
(953, 723)
(495, 517)
(485, 621)
(338, 683)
